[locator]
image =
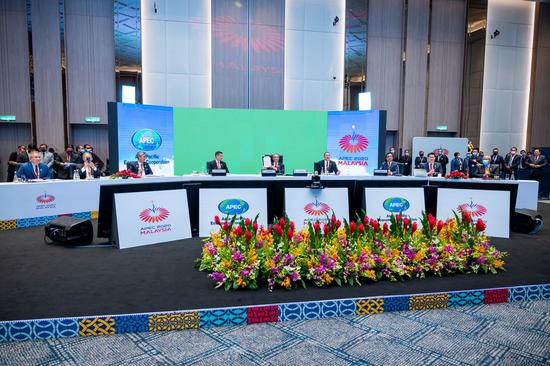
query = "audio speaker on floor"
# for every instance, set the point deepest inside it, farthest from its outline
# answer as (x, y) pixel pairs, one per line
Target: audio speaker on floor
(71, 231)
(526, 221)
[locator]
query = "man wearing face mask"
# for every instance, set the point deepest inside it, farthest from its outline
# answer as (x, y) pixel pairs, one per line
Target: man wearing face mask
(472, 163)
(393, 152)
(406, 160)
(511, 164)
(15, 160)
(420, 160)
(46, 157)
(66, 163)
(97, 161)
(457, 164)
(536, 163)
(443, 160)
(486, 169)
(497, 159)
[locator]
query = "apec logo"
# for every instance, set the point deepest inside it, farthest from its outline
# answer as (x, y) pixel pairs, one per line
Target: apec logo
(396, 204)
(474, 209)
(353, 143)
(154, 214)
(317, 208)
(146, 140)
(45, 198)
(233, 206)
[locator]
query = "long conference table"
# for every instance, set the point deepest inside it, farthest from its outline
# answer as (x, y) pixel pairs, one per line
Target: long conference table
(30, 204)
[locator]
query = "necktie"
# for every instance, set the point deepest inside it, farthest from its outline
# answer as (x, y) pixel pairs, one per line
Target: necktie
(275, 166)
(218, 164)
(431, 167)
(36, 172)
(140, 169)
(68, 158)
(88, 172)
(326, 167)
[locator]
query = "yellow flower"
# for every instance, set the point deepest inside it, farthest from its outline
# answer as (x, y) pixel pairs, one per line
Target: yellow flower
(226, 263)
(498, 263)
(327, 278)
(240, 282)
(286, 282)
(419, 256)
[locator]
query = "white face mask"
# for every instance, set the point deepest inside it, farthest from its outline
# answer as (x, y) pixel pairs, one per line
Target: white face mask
(513, 152)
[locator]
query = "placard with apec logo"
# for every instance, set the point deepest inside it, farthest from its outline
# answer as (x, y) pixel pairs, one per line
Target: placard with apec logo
(381, 203)
(226, 203)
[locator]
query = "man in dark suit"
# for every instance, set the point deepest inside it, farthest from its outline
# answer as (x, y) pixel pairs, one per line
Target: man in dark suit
(89, 170)
(15, 160)
(217, 163)
(406, 160)
(497, 159)
(432, 167)
(326, 166)
(389, 165)
(486, 169)
(34, 169)
(457, 164)
(536, 163)
(420, 160)
(140, 167)
(277, 165)
(65, 163)
(472, 162)
(97, 160)
(511, 164)
(443, 160)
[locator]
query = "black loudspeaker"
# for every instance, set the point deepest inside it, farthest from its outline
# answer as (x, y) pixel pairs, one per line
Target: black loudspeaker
(70, 231)
(526, 221)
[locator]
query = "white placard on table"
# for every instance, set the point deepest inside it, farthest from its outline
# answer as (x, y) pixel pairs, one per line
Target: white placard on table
(493, 207)
(381, 203)
(306, 204)
(150, 217)
(227, 202)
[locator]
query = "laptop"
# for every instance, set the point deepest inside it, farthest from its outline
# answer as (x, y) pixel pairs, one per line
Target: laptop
(420, 173)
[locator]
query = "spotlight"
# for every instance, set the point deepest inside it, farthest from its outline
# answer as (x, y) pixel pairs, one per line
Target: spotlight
(335, 21)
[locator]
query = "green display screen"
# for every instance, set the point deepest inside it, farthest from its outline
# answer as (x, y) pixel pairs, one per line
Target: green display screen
(244, 136)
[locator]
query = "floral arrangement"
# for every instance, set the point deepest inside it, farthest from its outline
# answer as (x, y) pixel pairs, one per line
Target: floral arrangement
(124, 174)
(243, 255)
(456, 175)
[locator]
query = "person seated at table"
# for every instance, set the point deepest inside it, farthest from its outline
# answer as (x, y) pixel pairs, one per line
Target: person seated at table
(432, 167)
(88, 169)
(389, 165)
(277, 165)
(140, 167)
(217, 163)
(326, 166)
(66, 162)
(457, 164)
(486, 169)
(34, 169)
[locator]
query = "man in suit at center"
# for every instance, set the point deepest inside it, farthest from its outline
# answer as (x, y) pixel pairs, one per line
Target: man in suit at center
(277, 165)
(511, 164)
(389, 165)
(432, 167)
(217, 163)
(66, 163)
(140, 167)
(34, 169)
(326, 166)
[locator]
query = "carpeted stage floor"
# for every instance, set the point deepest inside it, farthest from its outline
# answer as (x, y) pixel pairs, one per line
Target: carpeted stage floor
(46, 281)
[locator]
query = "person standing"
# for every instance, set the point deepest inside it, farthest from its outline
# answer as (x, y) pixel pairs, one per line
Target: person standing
(66, 162)
(536, 163)
(511, 164)
(15, 160)
(497, 159)
(443, 160)
(457, 164)
(46, 157)
(406, 160)
(420, 160)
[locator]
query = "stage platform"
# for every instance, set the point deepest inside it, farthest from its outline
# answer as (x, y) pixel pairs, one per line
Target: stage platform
(48, 281)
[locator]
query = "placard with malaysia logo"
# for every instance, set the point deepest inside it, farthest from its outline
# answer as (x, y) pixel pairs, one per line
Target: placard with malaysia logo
(355, 140)
(304, 204)
(226, 203)
(493, 207)
(151, 217)
(381, 203)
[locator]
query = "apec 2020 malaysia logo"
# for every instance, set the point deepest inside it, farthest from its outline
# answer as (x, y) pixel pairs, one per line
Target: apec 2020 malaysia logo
(474, 209)
(154, 216)
(317, 208)
(146, 139)
(45, 201)
(354, 142)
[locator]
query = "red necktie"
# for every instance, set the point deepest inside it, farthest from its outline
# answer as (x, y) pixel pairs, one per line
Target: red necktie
(275, 166)
(36, 172)
(140, 169)
(218, 164)
(431, 167)
(326, 167)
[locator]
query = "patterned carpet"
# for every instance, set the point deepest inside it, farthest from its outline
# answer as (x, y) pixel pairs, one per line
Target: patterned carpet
(502, 334)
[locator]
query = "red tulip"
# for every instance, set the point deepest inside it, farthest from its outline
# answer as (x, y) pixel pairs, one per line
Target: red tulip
(255, 227)
(333, 220)
(338, 223)
(289, 234)
(398, 217)
(326, 229)
(405, 223)
(360, 228)
(352, 227)
(316, 227)
(414, 226)
(480, 225)
(282, 222)
(366, 220)
(226, 226)
(385, 228)
(431, 221)
(238, 231)
(439, 226)
(466, 217)
(291, 224)
(278, 230)
(374, 225)
(217, 220)
(246, 222)
(247, 235)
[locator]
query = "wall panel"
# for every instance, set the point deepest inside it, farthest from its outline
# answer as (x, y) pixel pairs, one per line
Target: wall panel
(48, 95)
(15, 95)
(95, 135)
(414, 109)
(446, 64)
(12, 135)
(384, 57)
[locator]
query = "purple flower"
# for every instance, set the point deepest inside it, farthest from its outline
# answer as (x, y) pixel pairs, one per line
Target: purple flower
(274, 270)
(287, 258)
(237, 256)
(212, 250)
(295, 276)
(481, 260)
(217, 277)
(449, 248)
(245, 273)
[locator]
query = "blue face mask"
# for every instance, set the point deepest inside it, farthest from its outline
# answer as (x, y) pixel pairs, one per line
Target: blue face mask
(485, 163)
(474, 154)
